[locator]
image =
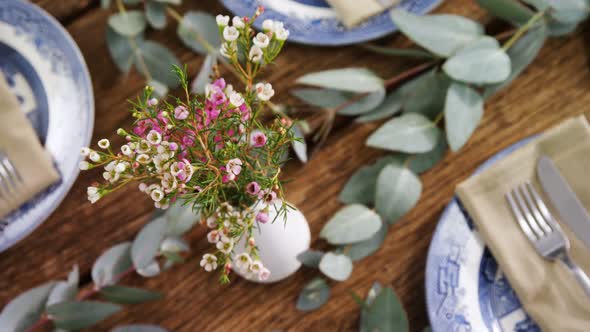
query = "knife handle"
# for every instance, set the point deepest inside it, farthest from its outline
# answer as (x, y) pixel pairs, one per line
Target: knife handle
(580, 275)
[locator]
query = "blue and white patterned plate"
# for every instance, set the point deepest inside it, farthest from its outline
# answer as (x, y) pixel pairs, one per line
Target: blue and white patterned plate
(465, 290)
(45, 70)
(314, 22)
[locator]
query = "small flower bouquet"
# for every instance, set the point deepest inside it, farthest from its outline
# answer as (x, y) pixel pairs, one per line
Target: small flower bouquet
(210, 151)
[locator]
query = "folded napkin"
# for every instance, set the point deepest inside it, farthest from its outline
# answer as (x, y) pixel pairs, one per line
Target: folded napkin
(353, 12)
(547, 290)
(19, 142)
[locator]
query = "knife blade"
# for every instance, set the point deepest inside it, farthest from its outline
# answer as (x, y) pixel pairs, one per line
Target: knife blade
(563, 199)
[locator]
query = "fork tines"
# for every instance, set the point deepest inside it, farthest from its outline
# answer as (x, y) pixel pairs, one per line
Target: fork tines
(10, 178)
(532, 214)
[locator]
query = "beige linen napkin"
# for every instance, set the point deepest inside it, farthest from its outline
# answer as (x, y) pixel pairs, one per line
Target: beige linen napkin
(548, 292)
(353, 12)
(19, 142)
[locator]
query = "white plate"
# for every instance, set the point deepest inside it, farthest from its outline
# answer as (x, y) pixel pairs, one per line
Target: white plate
(46, 71)
(465, 289)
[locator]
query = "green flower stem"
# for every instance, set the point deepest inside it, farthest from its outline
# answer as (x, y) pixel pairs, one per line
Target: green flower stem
(523, 29)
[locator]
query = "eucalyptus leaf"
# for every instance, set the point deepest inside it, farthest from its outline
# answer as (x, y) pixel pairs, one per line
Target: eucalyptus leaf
(204, 77)
(151, 270)
(105, 4)
(132, 2)
(310, 258)
(360, 188)
(569, 11)
(130, 23)
(557, 29)
(172, 2)
(120, 49)
(128, 295)
(111, 264)
(402, 52)
(180, 219)
(357, 80)
(425, 94)
(75, 315)
(484, 42)
(521, 54)
(398, 191)
(336, 266)
(65, 290)
(147, 242)
(375, 290)
(160, 89)
(390, 106)
(365, 104)
(330, 99)
(24, 310)
(299, 145)
(360, 250)
(463, 111)
(157, 60)
(422, 162)
(199, 32)
(479, 66)
(139, 328)
(441, 34)
(410, 133)
(353, 223)
(323, 98)
(508, 10)
(155, 13)
(386, 314)
(174, 244)
(313, 295)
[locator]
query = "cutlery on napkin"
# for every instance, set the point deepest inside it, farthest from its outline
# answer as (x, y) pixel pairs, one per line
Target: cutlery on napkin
(548, 292)
(19, 142)
(354, 12)
(564, 199)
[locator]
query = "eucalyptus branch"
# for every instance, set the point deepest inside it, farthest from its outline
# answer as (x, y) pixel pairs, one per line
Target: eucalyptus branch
(523, 29)
(45, 320)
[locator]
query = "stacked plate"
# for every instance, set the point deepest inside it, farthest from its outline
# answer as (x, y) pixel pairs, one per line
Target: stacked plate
(465, 290)
(45, 70)
(313, 22)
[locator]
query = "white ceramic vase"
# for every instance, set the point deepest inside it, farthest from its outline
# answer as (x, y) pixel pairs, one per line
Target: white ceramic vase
(279, 243)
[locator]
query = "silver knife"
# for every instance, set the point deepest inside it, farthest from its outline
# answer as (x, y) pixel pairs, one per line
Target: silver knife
(563, 198)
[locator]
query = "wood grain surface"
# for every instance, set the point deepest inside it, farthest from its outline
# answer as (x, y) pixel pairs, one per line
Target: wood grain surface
(554, 87)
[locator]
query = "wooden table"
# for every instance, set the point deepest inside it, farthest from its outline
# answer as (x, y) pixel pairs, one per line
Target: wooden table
(556, 86)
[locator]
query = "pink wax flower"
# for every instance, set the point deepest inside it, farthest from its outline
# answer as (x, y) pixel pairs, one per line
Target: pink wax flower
(180, 113)
(141, 127)
(245, 112)
(267, 195)
(228, 177)
(188, 140)
(173, 146)
(257, 139)
(220, 83)
(152, 102)
(253, 188)
(234, 166)
(262, 217)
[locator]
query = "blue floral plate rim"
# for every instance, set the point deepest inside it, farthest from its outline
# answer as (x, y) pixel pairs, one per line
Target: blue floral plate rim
(44, 33)
(484, 301)
(327, 31)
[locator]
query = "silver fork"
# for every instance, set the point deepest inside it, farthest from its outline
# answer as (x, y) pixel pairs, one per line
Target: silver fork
(10, 179)
(542, 230)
